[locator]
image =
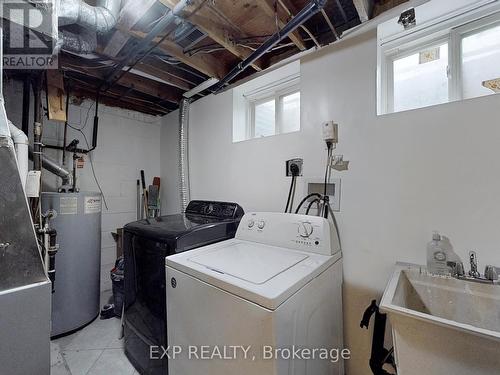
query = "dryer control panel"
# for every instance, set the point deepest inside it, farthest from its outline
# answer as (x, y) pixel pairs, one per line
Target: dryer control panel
(297, 232)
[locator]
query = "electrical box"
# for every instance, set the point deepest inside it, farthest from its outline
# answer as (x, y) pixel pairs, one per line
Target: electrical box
(330, 132)
(332, 190)
(297, 161)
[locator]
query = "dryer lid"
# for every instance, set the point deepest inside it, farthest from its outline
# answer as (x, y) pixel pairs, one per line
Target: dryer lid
(250, 262)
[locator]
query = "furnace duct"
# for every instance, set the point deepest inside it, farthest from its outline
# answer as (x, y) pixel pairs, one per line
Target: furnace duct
(184, 153)
(96, 20)
(101, 18)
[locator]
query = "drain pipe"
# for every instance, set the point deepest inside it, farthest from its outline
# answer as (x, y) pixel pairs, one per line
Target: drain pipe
(184, 189)
(21, 144)
(305, 14)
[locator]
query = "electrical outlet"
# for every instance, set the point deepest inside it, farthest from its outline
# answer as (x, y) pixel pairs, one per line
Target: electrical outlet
(297, 161)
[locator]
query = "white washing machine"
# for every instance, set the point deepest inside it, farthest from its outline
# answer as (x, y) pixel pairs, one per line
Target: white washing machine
(243, 306)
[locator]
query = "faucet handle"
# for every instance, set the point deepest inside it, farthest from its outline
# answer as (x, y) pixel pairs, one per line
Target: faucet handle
(457, 268)
(491, 273)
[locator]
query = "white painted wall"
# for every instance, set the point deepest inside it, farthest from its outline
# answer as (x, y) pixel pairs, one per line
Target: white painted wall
(127, 142)
(410, 173)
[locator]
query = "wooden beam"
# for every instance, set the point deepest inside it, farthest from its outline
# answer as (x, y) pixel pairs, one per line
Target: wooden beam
(364, 8)
(268, 7)
(221, 32)
(56, 97)
(181, 74)
(129, 80)
(206, 64)
(164, 76)
(131, 13)
(113, 101)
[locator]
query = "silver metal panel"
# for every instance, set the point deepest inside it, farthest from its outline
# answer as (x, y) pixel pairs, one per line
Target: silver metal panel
(75, 301)
(20, 260)
(25, 330)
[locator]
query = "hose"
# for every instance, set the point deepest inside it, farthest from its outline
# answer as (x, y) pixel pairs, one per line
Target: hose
(317, 201)
(305, 199)
(290, 194)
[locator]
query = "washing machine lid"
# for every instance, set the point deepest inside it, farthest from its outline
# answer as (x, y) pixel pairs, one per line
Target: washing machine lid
(248, 261)
(262, 274)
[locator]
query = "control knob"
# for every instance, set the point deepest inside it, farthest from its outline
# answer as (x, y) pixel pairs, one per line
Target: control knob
(305, 229)
(251, 223)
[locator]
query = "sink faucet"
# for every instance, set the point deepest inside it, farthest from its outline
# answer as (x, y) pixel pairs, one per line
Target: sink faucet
(491, 273)
(474, 273)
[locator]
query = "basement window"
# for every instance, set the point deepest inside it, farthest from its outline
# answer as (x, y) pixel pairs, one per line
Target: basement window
(267, 105)
(439, 63)
(273, 115)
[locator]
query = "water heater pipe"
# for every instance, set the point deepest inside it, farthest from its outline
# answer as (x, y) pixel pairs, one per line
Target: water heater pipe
(53, 167)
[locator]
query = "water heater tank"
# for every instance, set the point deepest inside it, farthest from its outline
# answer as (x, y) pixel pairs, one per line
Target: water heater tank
(75, 301)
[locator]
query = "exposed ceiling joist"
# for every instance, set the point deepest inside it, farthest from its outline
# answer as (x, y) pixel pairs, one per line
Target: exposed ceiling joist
(221, 32)
(206, 64)
(364, 8)
(131, 13)
(114, 100)
(129, 80)
(164, 76)
(268, 7)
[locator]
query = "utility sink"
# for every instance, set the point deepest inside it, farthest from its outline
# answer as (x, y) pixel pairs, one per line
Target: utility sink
(442, 325)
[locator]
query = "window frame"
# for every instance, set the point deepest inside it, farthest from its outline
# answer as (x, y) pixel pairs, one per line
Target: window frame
(451, 32)
(400, 53)
(277, 94)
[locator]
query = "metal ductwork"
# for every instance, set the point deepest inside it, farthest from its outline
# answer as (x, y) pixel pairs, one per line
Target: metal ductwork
(82, 43)
(184, 189)
(95, 20)
(101, 18)
(53, 167)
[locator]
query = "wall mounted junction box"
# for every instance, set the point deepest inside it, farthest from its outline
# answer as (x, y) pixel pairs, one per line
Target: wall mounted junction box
(317, 185)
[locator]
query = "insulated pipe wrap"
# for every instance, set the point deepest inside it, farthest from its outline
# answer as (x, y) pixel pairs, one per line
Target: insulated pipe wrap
(184, 189)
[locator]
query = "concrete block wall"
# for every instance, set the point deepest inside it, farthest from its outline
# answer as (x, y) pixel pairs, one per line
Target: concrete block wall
(128, 141)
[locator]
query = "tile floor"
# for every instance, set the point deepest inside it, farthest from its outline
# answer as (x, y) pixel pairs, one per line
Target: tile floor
(94, 350)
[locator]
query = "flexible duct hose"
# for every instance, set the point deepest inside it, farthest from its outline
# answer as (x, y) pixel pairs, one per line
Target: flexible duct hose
(184, 153)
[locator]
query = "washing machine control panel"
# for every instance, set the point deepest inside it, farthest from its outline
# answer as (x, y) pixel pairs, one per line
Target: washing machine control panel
(297, 232)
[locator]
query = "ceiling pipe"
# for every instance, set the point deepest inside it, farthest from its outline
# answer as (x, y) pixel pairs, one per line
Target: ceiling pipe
(305, 14)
